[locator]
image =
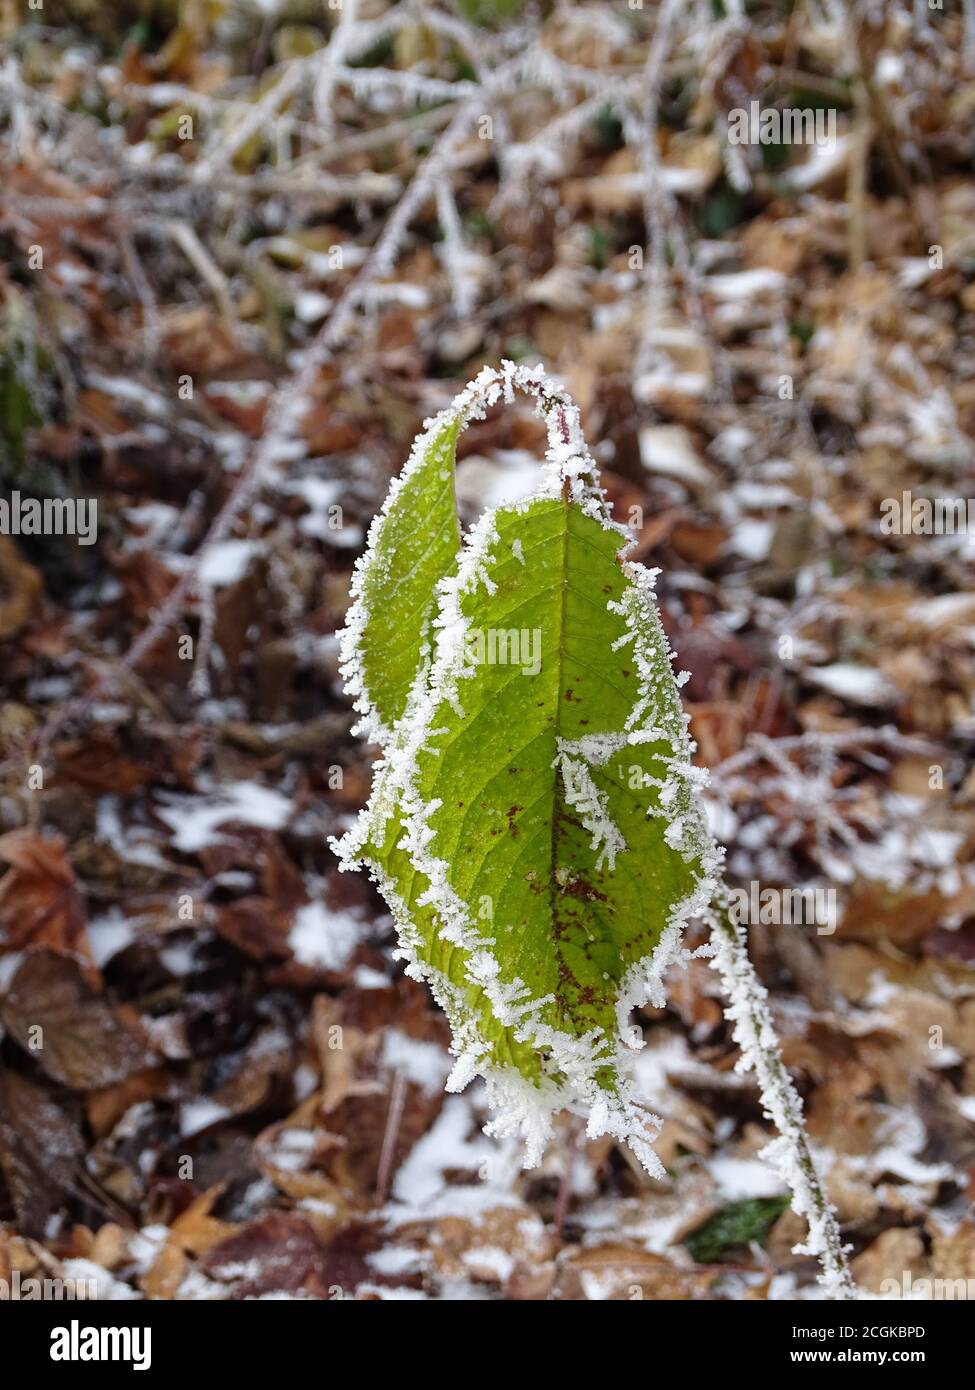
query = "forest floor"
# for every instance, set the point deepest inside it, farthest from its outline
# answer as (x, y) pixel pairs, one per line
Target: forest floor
(215, 1079)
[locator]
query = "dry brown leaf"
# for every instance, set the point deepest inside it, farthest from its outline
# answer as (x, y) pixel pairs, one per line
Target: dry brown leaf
(893, 1253)
(76, 1036)
(41, 1149)
(40, 904)
(619, 1274)
(20, 589)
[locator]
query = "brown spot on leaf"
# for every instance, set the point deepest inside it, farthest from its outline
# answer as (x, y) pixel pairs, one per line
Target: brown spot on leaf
(577, 887)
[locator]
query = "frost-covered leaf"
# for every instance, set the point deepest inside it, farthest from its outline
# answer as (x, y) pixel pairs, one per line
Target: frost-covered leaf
(534, 823)
(413, 543)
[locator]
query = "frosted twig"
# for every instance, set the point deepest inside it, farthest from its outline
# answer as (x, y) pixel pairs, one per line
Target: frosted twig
(259, 117)
(790, 1153)
(408, 85)
(457, 259)
(144, 293)
(200, 679)
(203, 263)
(65, 209)
(407, 128)
(968, 40)
(759, 747)
(654, 215)
(288, 407)
(328, 62)
(22, 139)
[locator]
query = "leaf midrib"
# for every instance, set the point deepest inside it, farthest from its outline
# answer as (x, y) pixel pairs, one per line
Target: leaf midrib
(554, 894)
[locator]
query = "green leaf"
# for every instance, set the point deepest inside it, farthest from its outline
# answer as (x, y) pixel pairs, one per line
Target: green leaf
(534, 823)
(412, 544)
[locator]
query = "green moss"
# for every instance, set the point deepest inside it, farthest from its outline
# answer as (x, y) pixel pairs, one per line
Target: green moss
(25, 369)
(735, 1227)
(490, 13)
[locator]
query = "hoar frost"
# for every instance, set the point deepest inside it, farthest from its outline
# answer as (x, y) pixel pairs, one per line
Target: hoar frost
(535, 1047)
(574, 1065)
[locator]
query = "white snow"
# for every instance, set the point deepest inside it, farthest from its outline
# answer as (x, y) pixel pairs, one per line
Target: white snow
(864, 685)
(145, 1246)
(946, 608)
(200, 1113)
(242, 393)
(156, 519)
(364, 977)
(824, 161)
(311, 306)
(226, 562)
(745, 284)
(109, 1288)
(292, 1149)
(321, 495)
(324, 938)
(179, 957)
(744, 1177)
(446, 1146)
(752, 494)
(398, 1259)
(126, 389)
(914, 271)
(508, 476)
(10, 963)
(195, 819)
(751, 538)
(490, 1257)
(669, 449)
(109, 933)
(426, 1064)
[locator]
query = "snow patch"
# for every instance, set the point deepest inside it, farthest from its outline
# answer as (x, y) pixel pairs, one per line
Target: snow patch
(195, 819)
(323, 938)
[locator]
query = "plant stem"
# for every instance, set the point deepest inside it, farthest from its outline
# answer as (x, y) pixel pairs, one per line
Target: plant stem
(790, 1153)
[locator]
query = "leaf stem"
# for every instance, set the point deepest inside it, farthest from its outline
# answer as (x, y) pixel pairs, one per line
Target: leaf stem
(791, 1152)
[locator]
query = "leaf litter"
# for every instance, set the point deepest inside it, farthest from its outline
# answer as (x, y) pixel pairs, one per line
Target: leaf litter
(173, 907)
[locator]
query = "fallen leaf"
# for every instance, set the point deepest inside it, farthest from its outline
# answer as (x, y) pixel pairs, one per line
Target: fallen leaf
(41, 1146)
(890, 1256)
(75, 1034)
(619, 1274)
(20, 588)
(283, 1253)
(40, 904)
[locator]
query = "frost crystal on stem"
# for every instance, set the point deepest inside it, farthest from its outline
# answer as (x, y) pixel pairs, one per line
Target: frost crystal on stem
(790, 1153)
